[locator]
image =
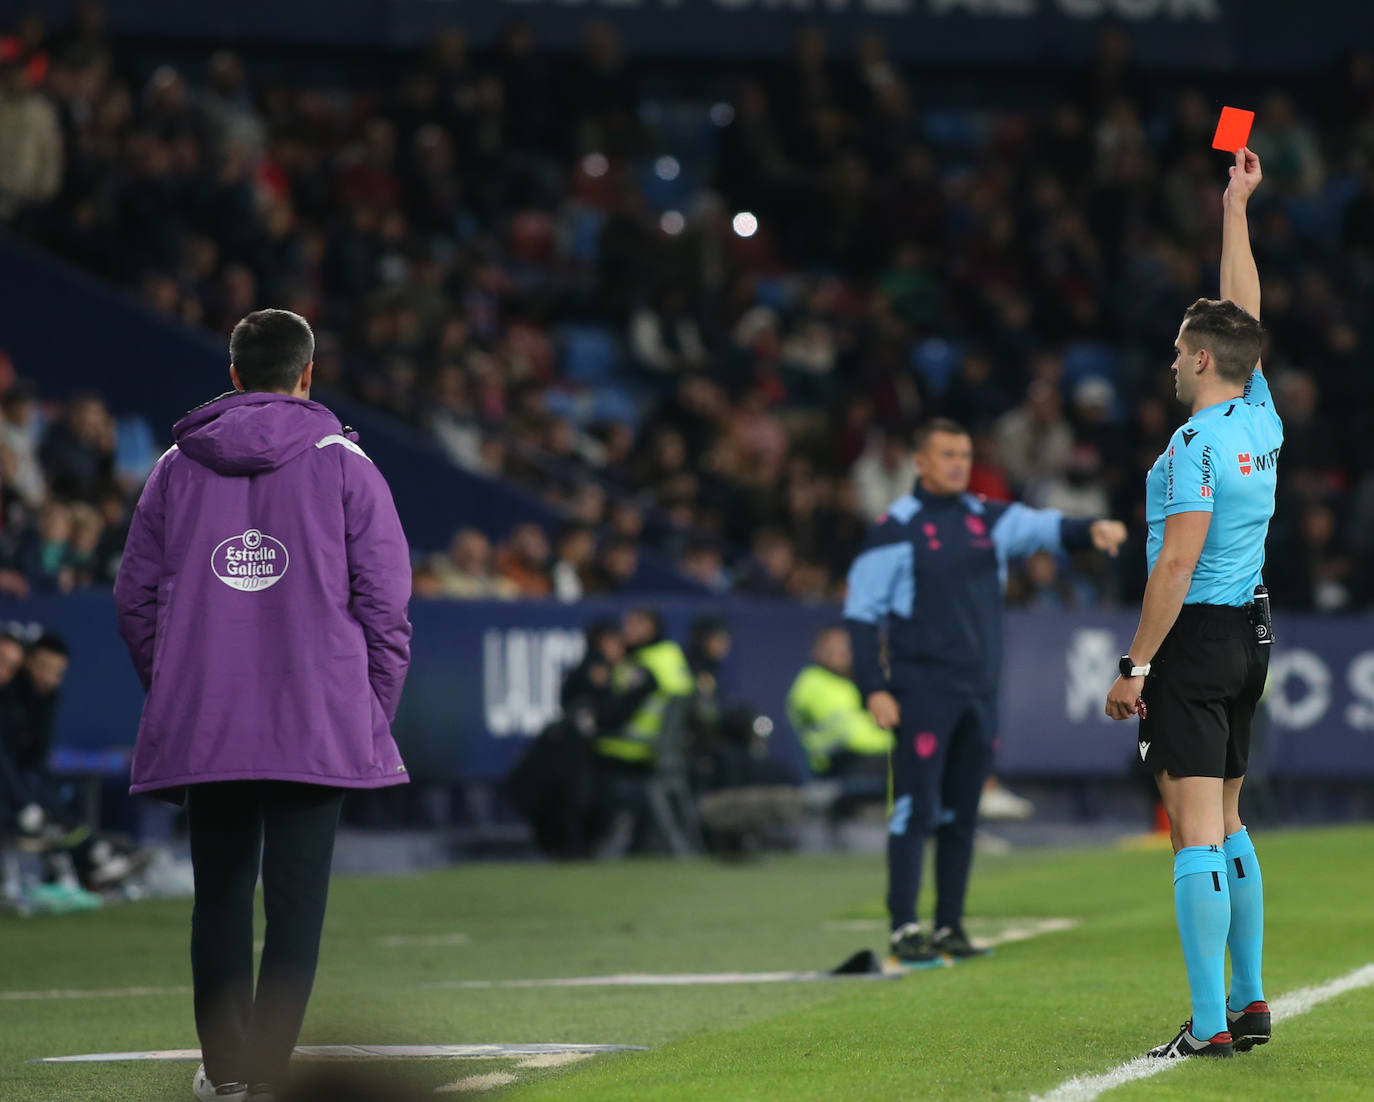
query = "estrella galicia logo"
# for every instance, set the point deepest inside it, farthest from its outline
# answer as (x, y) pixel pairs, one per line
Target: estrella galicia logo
(250, 562)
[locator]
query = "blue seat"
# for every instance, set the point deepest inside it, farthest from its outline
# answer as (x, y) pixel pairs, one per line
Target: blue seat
(590, 355)
(936, 360)
(660, 194)
(136, 448)
(584, 240)
(951, 129)
(777, 292)
(1083, 359)
(567, 405)
(612, 403)
(1306, 213)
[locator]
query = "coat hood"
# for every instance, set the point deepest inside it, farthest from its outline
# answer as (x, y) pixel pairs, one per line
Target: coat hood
(244, 434)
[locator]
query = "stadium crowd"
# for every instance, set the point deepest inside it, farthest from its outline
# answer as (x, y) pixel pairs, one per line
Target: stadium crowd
(69, 474)
(709, 329)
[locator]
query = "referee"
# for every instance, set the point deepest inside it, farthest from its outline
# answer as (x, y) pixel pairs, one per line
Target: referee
(1198, 663)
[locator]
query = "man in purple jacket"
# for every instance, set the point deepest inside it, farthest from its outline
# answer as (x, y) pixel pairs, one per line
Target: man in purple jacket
(263, 596)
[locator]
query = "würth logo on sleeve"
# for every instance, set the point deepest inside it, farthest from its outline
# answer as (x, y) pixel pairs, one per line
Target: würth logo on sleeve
(1206, 488)
(1245, 465)
(250, 561)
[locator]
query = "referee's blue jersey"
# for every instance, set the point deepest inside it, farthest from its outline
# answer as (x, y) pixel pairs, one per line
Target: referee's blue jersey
(1223, 460)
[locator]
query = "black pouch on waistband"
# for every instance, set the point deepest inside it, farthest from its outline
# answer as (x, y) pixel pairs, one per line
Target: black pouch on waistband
(1260, 617)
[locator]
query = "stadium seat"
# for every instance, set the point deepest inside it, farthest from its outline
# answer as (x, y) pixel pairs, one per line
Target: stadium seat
(661, 194)
(615, 404)
(584, 235)
(1083, 359)
(567, 404)
(136, 447)
(951, 129)
(776, 292)
(590, 354)
(1305, 213)
(936, 360)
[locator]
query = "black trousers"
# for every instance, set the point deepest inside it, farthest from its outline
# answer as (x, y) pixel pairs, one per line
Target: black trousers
(288, 829)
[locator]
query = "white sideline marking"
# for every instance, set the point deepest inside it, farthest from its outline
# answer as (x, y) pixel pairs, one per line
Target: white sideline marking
(419, 941)
(1028, 928)
(650, 979)
(553, 1060)
(1034, 928)
(488, 1082)
(101, 993)
(1017, 929)
(495, 1079)
(366, 1052)
(1087, 1087)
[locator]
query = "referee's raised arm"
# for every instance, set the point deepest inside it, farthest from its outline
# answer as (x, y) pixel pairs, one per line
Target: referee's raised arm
(1239, 276)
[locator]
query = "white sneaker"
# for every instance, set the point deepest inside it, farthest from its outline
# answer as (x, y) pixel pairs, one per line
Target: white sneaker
(206, 1091)
(997, 802)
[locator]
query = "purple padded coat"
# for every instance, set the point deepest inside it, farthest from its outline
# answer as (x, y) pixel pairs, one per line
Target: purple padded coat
(263, 596)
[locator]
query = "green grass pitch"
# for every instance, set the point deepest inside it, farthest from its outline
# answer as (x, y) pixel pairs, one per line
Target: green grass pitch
(1079, 1001)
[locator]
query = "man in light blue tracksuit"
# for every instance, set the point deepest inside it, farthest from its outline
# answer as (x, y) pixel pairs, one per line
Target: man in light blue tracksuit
(933, 571)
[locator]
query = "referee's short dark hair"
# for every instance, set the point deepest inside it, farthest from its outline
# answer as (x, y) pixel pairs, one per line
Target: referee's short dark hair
(270, 348)
(927, 429)
(1232, 335)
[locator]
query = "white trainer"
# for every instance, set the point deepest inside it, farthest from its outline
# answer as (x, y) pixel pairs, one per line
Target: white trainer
(206, 1091)
(997, 802)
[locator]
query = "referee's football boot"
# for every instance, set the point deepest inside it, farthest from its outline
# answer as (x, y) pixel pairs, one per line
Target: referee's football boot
(912, 949)
(951, 941)
(1185, 1045)
(1249, 1027)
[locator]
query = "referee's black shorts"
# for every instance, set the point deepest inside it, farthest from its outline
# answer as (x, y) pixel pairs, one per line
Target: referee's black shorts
(1201, 694)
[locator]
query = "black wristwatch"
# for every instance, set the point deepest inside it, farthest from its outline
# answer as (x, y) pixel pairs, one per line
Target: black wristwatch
(1130, 669)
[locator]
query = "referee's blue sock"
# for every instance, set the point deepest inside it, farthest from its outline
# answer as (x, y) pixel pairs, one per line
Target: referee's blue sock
(1203, 905)
(1246, 939)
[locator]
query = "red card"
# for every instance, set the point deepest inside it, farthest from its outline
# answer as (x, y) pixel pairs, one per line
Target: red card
(1233, 129)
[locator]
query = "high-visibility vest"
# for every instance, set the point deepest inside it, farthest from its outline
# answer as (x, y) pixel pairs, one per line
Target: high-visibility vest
(673, 676)
(828, 714)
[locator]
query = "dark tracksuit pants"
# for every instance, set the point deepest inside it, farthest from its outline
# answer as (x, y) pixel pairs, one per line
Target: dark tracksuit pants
(288, 830)
(942, 754)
